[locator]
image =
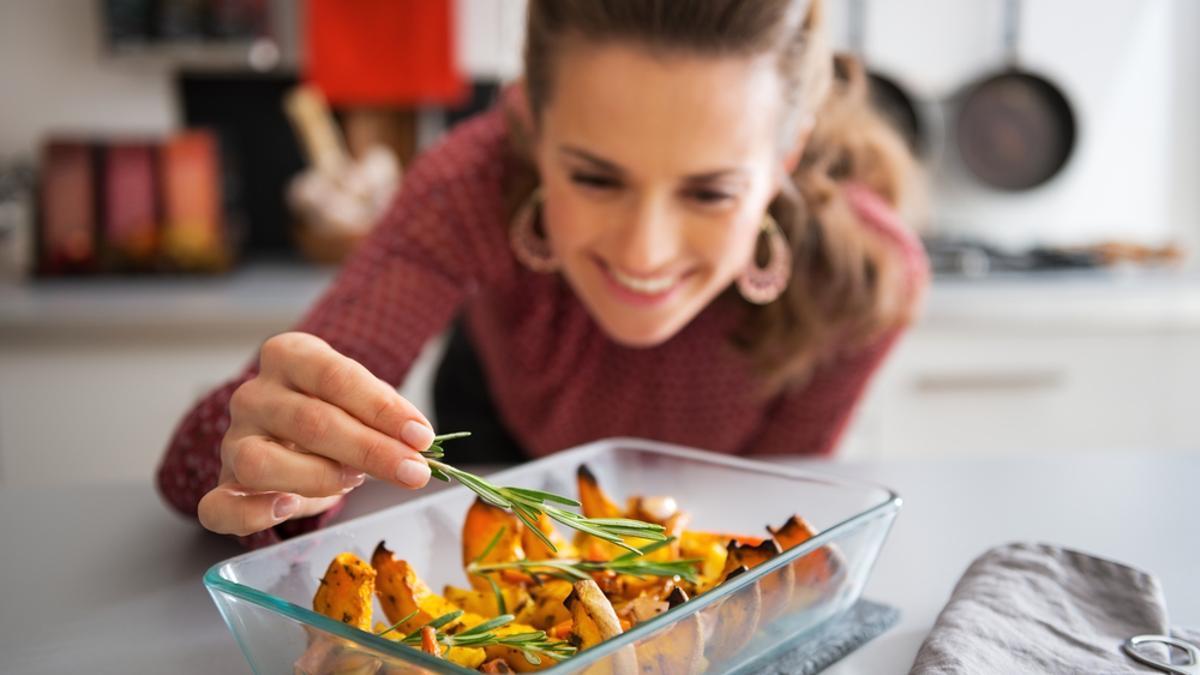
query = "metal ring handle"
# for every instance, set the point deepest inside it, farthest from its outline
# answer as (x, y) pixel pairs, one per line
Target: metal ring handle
(1130, 647)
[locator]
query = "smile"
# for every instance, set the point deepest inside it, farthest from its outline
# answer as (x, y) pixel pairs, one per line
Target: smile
(647, 285)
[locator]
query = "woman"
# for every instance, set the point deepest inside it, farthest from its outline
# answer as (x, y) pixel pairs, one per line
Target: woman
(681, 226)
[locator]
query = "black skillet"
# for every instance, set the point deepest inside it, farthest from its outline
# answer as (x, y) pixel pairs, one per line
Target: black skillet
(1015, 129)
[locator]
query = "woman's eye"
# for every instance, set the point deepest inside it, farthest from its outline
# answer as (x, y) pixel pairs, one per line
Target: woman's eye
(709, 196)
(594, 181)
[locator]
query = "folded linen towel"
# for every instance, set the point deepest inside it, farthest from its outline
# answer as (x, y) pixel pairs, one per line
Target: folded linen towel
(1037, 608)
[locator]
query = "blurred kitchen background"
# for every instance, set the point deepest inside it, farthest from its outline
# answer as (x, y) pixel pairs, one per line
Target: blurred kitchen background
(170, 197)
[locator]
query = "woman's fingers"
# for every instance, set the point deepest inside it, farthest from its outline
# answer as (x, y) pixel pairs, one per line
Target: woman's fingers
(261, 464)
(310, 365)
(318, 427)
(230, 508)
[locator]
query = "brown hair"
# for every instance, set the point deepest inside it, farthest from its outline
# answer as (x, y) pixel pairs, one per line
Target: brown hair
(847, 286)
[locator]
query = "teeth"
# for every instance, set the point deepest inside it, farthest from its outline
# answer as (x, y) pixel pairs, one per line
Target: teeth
(646, 286)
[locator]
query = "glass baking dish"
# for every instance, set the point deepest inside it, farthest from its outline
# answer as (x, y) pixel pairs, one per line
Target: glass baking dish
(265, 595)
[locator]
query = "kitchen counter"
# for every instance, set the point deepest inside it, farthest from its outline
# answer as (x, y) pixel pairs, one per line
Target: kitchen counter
(270, 296)
(103, 579)
(1115, 299)
(262, 297)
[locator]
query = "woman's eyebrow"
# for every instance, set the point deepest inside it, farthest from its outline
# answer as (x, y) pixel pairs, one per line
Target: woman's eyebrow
(580, 153)
(609, 165)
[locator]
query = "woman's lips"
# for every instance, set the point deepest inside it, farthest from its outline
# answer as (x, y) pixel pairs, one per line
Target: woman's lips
(641, 291)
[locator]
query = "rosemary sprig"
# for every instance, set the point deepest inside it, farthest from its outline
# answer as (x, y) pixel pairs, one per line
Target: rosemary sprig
(533, 644)
(501, 605)
(528, 504)
(571, 569)
(396, 625)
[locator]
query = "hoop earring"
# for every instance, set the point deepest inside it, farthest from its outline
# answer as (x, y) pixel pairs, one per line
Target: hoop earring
(530, 249)
(763, 285)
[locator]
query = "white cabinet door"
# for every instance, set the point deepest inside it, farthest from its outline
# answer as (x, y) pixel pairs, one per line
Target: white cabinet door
(960, 391)
(88, 412)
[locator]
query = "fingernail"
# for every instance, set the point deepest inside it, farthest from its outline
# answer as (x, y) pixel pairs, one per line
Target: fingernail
(416, 435)
(413, 473)
(285, 506)
(352, 478)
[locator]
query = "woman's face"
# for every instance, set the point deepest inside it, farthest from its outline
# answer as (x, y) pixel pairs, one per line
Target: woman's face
(656, 172)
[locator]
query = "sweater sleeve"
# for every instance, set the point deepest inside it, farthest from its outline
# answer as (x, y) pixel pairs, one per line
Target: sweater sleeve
(439, 242)
(813, 418)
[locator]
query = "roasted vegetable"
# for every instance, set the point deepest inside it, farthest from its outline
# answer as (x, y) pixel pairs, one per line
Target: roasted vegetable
(547, 609)
(679, 650)
(403, 594)
(429, 643)
(536, 548)
(484, 603)
(593, 621)
(813, 569)
(733, 621)
(345, 591)
(595, 502)
(710, 548)
(490, 534)
(777, 587)
(534, 599)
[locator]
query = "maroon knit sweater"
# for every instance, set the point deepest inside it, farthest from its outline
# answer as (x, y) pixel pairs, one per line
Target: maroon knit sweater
(556, 379)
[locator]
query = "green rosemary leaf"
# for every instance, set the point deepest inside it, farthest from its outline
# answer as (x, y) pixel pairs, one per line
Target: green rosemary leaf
(396, 625)
(529, 504)
(489, 625)
(544, 496)
(443, 620)
(491, 545)
(501, 604)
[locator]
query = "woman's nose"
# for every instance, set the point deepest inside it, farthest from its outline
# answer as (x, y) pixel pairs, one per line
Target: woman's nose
(650, 239)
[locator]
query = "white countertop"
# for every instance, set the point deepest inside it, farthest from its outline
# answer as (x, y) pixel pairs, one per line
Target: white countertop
(103, 579)
(260, 296)
(271, 296)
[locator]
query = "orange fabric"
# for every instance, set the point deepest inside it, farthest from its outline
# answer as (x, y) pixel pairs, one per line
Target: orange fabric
(383, 52)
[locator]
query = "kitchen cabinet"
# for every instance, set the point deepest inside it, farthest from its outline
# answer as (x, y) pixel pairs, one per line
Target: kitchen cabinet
(73, 412)
(94, 377)
(1107, 370)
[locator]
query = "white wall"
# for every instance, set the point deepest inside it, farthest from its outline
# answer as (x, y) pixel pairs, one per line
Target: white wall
(55, 77)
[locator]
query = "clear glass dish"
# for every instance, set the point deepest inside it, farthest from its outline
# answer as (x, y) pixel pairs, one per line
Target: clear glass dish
(265, 596)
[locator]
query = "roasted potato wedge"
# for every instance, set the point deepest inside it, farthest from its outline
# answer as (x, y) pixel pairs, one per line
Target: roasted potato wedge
(710, 547)
(733, 622)
(480, 527)
(679, 650)
(596, 503)
(594, 621)
(547, 609)
(813, 569)
(346, 590)
(536, 549)
(777, 587)
(401, 592)
(516, 600)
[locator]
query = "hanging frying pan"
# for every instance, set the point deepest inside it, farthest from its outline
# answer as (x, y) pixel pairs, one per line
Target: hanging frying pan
(1015, 129)
(887, 95)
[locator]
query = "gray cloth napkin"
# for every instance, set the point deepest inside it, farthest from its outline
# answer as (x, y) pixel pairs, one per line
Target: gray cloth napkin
(1036, 608)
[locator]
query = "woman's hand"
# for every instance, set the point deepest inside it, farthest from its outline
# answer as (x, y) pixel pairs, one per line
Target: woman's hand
(306, 431)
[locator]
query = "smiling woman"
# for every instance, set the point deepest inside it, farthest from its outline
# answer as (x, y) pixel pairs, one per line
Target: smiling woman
(681, 225)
